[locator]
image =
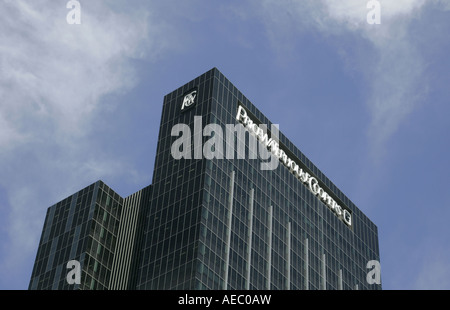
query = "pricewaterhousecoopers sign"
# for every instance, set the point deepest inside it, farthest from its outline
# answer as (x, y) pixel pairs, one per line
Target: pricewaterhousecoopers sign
(311, 182)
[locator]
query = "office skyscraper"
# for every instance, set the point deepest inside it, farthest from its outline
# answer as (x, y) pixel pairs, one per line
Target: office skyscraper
(218, 215)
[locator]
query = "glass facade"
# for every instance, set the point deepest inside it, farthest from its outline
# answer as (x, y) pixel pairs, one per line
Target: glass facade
(209, 223)
(82, 227)
(227, 224)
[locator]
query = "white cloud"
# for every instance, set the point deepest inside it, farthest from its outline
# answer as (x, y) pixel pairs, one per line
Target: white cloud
(56, 73)
(390, 62)
(53, 81)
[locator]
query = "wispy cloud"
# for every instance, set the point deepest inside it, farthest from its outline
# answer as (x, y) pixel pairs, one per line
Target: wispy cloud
(434, 272)
(56, 73)
(386, 55)
(53, 81)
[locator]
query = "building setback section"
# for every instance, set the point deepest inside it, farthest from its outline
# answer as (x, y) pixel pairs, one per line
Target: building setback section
(211, 223)
(97, 228)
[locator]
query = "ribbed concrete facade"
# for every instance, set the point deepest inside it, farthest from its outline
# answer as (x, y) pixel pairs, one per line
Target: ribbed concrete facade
(126, 256)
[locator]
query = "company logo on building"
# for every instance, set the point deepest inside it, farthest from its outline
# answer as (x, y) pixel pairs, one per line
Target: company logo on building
(311, 182)
(189, 100)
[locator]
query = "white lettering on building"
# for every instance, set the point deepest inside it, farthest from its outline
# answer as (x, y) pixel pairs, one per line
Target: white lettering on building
(311, 182)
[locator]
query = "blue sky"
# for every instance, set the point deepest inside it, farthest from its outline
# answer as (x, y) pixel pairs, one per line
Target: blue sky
(368, 104)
